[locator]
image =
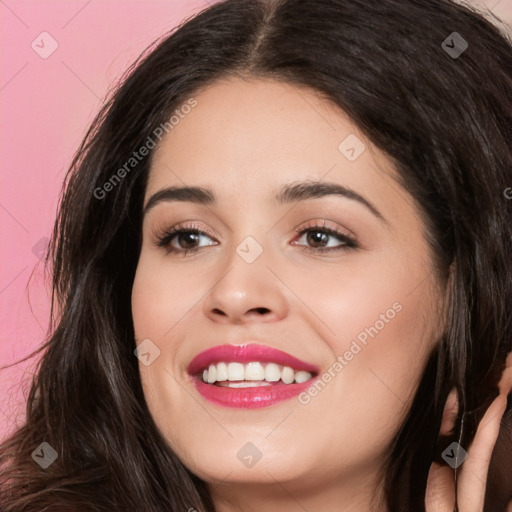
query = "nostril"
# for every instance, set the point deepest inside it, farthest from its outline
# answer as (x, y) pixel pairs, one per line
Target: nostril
(261, 310)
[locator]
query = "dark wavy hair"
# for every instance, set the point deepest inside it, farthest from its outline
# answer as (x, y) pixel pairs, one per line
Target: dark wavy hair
(445, 121)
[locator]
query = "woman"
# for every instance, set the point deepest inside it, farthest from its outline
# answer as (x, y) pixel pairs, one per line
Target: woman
(271, 370)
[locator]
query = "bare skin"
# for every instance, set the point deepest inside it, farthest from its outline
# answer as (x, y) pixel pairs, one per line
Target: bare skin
(245, 140)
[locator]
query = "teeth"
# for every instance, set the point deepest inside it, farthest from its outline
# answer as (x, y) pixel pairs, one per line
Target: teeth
(222, 371)
(235, 371)
(302, 376)
(287, 375)
(254, 371)
(243, 384)
(272, 372)
(252, 374)
(212, 374)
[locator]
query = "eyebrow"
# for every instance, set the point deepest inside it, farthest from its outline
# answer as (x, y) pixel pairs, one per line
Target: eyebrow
(298, 191)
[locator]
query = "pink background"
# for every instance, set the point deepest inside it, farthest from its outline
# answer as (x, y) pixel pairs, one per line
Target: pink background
(46, 105)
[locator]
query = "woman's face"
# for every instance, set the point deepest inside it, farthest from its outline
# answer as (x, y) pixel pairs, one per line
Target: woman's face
(366, 314)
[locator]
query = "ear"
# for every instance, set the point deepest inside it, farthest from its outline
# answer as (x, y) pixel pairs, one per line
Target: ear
(451, 410)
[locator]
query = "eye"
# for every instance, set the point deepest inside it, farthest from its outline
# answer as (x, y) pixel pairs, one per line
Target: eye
(181, 234)
(320, 234)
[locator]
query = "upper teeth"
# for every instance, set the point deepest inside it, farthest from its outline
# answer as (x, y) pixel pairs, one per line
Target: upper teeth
(253, 371)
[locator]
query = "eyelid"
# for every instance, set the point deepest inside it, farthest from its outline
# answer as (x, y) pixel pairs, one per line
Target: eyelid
(313, 224)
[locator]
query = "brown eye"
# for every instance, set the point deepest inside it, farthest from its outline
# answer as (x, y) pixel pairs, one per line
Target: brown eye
(182, 239)
(318, 238)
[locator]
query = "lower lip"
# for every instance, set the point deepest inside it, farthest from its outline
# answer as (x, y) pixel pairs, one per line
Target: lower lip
(250, 398)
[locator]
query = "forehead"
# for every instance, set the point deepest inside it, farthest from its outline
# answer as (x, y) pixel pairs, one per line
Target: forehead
(248, 137)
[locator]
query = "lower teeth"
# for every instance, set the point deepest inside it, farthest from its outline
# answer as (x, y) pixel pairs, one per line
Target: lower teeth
(243, 384)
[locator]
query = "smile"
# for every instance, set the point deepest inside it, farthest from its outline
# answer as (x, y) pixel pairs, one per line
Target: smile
(249, 376)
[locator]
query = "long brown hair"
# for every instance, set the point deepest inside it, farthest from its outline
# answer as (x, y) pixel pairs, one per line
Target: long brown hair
(445, 120)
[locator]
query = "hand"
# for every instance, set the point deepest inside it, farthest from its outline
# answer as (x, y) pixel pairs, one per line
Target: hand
(472, 477)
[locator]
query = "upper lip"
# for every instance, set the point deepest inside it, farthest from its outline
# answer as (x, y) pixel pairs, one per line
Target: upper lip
(245, 354)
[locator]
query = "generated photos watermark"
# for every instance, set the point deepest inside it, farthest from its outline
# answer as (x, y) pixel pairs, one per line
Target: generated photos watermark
(143, 151)
(357, 344)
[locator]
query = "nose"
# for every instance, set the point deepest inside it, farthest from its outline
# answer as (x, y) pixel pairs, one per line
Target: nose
(246, 293)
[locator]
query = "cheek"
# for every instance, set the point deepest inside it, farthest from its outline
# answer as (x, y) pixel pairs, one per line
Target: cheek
(378, 298)
(160, 298)
(379, 325)
(377, 363)
(396, 332)
(389, 350)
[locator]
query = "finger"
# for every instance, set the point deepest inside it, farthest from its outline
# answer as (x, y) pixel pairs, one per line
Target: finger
(451, 409)
(505, 384)
(473, 475)
(440, 495)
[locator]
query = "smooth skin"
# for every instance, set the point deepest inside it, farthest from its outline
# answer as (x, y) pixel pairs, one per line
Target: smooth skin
(245, 140)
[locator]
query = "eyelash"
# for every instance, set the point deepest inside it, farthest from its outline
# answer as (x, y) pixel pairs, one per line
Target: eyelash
(165, 239)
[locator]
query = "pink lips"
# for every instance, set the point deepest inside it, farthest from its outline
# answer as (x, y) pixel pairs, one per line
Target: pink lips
(254, 397)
